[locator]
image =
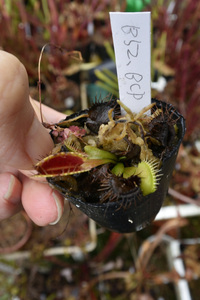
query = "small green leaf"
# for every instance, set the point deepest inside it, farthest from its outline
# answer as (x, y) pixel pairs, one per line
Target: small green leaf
(96, 153)
(129, 171)
(93, 163)
(118, 169)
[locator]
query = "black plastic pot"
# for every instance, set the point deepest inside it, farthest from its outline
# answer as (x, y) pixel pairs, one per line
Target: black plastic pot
(139, 210)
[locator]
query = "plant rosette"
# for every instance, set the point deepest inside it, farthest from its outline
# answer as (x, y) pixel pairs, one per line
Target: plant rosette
(115, 167)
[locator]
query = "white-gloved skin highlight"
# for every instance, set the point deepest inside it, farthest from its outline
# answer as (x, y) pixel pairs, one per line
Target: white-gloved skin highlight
(23, 141)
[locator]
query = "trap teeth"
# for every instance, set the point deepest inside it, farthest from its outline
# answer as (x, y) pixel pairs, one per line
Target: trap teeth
(148, 171)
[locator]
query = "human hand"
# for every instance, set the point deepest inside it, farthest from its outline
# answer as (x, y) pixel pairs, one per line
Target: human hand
(23, 141)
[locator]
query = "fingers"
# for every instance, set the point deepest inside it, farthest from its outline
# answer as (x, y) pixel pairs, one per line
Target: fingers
(42, 204)
(24, 140)
(10, 195)
(50, 115)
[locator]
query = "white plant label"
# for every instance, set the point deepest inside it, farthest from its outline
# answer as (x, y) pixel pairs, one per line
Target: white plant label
(132, 45)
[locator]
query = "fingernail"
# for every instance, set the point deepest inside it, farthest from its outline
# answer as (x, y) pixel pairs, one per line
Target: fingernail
(8, 194)
(59, 208)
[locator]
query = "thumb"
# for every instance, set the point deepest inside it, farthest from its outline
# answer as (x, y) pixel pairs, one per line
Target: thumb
(23, 138)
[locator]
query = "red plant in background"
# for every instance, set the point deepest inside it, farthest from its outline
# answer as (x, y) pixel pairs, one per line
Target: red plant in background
(176, 56)
(179, 20)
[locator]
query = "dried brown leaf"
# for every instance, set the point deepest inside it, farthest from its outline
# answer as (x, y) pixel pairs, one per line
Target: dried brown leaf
(148, 248)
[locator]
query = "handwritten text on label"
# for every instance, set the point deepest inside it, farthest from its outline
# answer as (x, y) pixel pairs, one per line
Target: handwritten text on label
(133, 47)
(131, 36)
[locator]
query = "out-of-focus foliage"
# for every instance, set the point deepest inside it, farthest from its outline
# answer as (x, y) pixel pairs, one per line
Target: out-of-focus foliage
(26, 26)
(176, 44)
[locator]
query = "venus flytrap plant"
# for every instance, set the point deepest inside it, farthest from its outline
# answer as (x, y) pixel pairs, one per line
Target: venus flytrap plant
(71, 163)
(147, 171)
(111, 165)
(78, 159)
